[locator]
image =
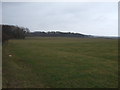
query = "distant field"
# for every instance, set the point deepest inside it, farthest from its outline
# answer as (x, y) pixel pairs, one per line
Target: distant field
(60, 63)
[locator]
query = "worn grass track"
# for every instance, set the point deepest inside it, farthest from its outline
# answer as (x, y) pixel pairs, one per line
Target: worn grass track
(61, 63)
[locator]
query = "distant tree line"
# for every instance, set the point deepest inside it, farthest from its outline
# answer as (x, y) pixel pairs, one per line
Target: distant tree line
(56, 34)
(16, 32)
(13, 32)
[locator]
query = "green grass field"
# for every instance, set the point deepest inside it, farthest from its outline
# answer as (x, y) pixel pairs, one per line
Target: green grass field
(60, 63)
(0, 65)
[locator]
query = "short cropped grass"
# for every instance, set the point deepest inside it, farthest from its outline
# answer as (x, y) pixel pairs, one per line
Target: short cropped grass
(60, 63)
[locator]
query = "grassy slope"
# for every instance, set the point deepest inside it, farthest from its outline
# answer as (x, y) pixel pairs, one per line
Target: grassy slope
(0, 65)
(60, 62)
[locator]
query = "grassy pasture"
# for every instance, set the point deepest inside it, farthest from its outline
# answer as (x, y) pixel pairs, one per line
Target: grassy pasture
(60, 63)
(0, 65)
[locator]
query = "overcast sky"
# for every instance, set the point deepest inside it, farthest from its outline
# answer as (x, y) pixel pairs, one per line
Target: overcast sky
(100, 18)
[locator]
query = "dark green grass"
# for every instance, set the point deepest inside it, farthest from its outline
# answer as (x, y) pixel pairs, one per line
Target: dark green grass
(61, 63)
(0, 66)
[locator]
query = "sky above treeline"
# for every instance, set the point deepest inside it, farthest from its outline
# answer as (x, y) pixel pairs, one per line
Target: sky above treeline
(91, 18)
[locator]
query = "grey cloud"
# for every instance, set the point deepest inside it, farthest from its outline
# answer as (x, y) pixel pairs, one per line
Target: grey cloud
(89, 18)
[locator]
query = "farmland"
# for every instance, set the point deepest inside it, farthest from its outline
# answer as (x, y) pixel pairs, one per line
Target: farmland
(57, 62)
